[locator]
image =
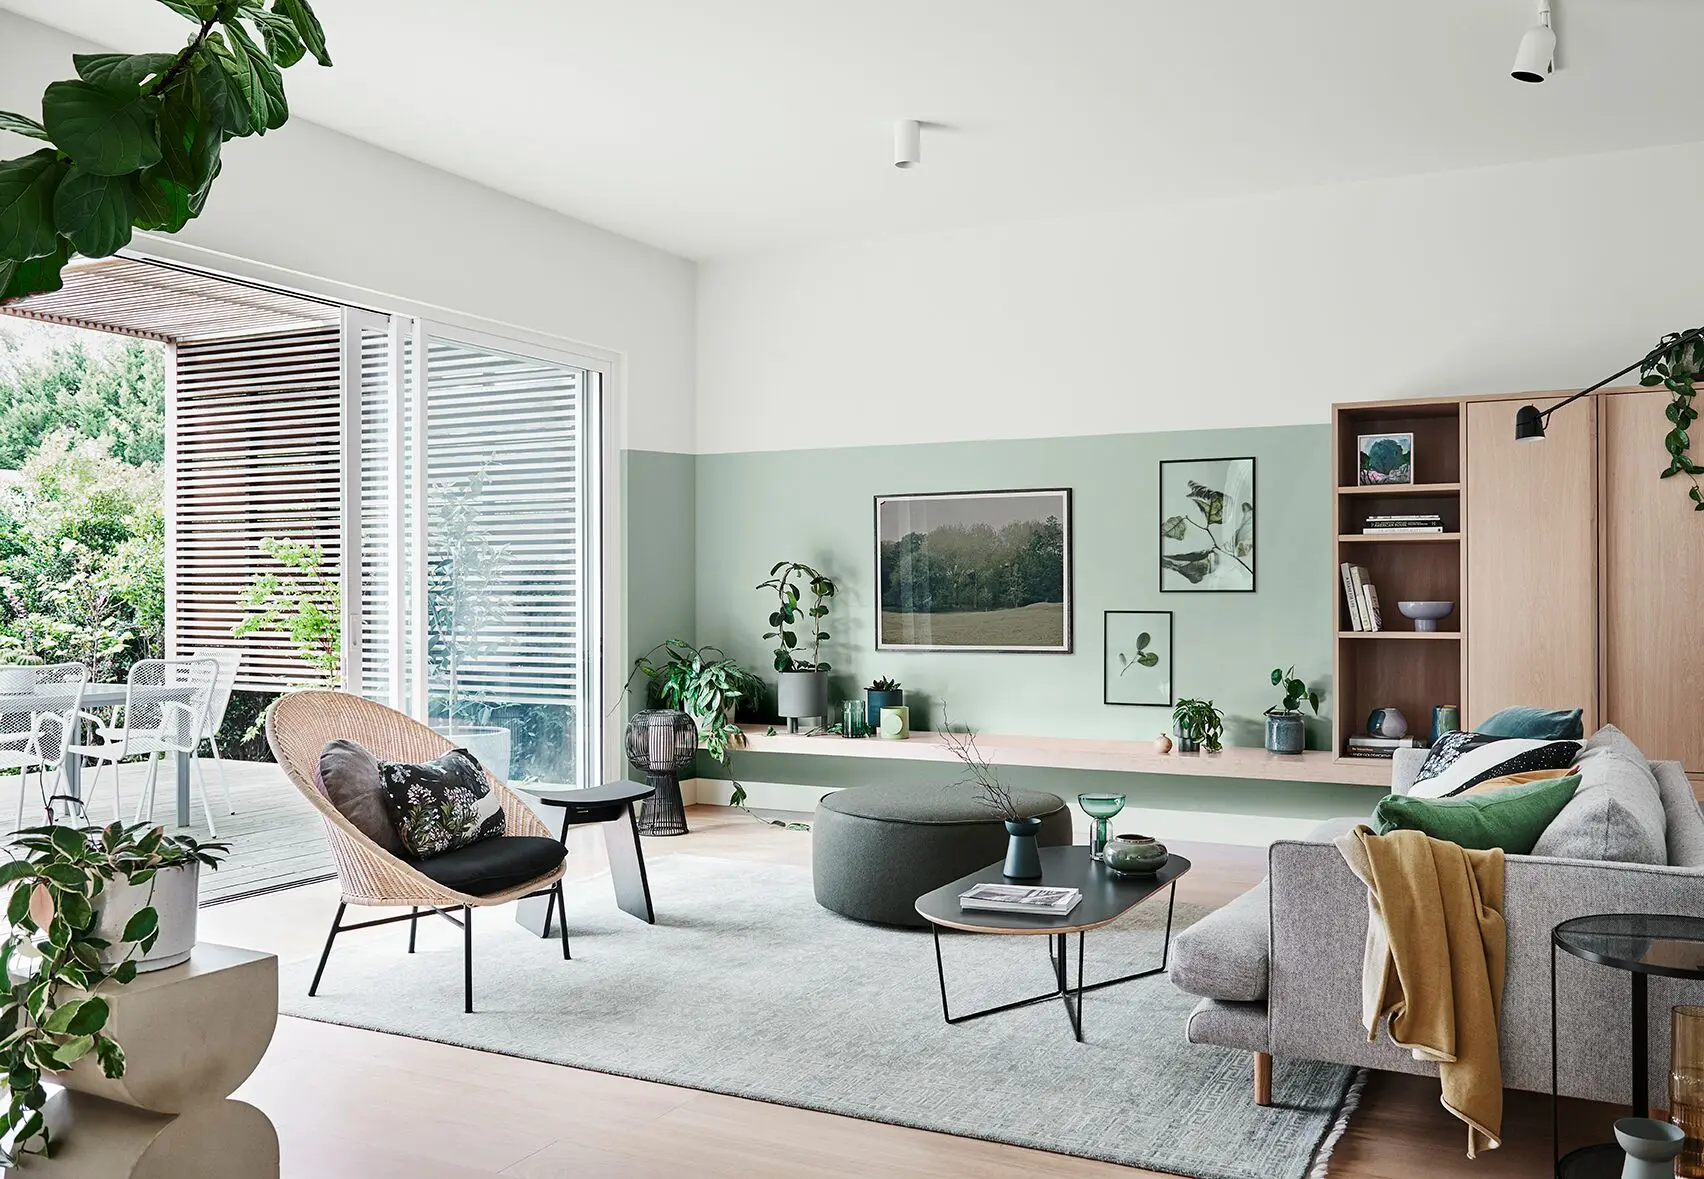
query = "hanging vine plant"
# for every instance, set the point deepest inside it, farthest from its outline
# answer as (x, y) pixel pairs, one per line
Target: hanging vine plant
(1674, 364)
(134, 141)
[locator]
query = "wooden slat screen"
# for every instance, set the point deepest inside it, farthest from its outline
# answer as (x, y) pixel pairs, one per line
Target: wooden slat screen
(255, 432)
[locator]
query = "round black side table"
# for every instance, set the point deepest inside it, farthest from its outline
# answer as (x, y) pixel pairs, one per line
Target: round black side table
(1642, 944)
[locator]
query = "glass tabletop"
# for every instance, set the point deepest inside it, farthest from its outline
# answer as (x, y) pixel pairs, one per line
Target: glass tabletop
(1647, 943)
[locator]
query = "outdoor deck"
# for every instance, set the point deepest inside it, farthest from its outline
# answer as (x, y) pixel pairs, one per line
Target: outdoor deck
(276, 838)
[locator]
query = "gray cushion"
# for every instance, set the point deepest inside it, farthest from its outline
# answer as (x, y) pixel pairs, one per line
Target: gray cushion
(1616, 814)
(349, 778)
(1230, 1025)
(1680, 810)
(876, 849)
(1227, 954)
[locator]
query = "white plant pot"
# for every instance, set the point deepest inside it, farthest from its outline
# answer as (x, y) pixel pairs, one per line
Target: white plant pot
(174, 893)
(17, 680)
(489, 745)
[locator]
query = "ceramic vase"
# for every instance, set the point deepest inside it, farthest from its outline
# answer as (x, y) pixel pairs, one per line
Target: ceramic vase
(802, 694)
(1162, 744)
(1023, 857)
(1650, 1145)
(1136, 855)
(173, 892)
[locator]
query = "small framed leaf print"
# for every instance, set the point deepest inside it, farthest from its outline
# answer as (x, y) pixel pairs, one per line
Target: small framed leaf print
(1138, 657)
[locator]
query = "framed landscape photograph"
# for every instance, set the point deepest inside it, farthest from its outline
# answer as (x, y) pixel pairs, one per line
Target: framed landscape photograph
(974, 571)
(1385, 459)
(1207, 525)
(1138, 657)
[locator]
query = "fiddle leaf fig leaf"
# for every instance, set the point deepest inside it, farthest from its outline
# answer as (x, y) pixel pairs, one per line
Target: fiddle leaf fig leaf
(195, 10)
(27, 186)
(19, 125)
(95, 212)
(107, 132)
(307, 27)
(121, 72)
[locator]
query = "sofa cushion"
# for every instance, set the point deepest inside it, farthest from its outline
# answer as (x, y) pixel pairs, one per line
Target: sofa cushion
(442, 804)
(349, 779)
(1511, 819)
(1546, 724)
(494, 865)
(1459, 761)
(1226, 955)
(1617, 812)
(1680, 811)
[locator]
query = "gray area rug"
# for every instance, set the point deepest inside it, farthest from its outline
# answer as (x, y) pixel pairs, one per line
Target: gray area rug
(745, 986)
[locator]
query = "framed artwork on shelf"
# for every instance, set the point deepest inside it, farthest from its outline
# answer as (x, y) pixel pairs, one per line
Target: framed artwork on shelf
(1138, 667)
(1207, 533)
(1385, 460)
(974, 571)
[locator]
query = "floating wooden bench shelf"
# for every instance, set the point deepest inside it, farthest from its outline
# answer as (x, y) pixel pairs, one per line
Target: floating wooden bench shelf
(1078, 753)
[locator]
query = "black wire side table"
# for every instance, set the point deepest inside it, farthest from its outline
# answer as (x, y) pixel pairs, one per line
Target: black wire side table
(1642, 944)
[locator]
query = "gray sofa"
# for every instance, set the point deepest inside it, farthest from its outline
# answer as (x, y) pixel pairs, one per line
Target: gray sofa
(1279, 969)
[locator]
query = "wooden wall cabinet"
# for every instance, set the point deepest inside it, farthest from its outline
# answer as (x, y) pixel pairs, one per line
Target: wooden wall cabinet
(1578, 573)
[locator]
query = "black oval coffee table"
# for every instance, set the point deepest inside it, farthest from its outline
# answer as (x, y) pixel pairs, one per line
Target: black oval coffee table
(1642, 944)
(1107, 896)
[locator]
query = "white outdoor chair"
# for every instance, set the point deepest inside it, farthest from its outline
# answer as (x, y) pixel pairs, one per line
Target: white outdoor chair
(165, 712)
(230, 661)
(37, 727)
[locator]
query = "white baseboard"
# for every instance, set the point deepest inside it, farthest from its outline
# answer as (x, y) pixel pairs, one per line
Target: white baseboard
(1187, 826)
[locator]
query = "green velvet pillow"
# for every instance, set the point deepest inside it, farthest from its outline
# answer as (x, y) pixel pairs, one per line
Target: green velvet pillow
(1543, 724)
(1512, 817)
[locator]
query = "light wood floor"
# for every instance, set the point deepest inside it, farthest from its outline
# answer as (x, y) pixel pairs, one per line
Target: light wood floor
(350, 1104)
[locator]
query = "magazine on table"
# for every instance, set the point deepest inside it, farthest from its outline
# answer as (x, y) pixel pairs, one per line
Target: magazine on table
(1019, 898)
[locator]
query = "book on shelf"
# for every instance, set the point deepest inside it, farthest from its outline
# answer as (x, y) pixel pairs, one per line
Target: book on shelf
(1420, 518)
(1360, 602)
(1359, 742)
(1399, 529)
(1018, 898)
(1351, 597)
(1370, 596)
(1371, 754)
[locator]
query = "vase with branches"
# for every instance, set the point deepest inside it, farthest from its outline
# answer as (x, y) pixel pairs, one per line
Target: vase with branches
(1023, 857)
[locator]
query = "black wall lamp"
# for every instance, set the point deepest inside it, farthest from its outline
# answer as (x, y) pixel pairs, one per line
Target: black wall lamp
(1530, 421)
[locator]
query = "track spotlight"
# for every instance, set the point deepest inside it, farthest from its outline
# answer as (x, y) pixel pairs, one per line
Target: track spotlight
(1536, 57)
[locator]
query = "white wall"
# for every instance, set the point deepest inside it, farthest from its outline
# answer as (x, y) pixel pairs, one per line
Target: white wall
(1257, 311)
(314, 202)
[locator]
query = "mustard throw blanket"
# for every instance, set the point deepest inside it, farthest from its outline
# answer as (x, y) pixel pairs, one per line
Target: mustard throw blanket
(1436, 953)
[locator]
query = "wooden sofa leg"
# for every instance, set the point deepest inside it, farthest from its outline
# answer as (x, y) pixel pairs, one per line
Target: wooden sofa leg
(1263, 1078)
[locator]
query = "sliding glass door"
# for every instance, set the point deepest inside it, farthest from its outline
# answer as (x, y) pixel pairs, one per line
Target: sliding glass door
(472, 485)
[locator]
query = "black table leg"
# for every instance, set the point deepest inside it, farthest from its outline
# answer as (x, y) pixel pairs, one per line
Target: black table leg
(1641, 1050)
(1555, 1128)
(627, 866)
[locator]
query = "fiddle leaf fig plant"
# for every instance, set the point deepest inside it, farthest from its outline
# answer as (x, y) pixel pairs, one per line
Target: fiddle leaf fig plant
(51, 947)
(134, 141)
(1674, 364)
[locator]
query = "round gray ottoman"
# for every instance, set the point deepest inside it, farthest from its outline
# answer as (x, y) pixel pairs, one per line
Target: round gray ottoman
(876, 849)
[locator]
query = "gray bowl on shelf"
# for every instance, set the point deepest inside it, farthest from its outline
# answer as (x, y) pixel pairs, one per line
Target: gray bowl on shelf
(1425, 614)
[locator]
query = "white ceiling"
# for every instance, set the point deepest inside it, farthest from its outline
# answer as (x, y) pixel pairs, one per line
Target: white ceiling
(711, 127)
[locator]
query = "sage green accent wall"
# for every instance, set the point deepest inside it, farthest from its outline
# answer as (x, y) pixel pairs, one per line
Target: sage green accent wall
(660, 529)
(756, 508)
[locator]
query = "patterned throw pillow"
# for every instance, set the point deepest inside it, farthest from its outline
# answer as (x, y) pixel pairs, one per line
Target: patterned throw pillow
(441, 805)
(1461, 761)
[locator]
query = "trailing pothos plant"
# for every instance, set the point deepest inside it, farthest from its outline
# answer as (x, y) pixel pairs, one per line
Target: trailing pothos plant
(1674, 364)
(51, 947)
(134, 141)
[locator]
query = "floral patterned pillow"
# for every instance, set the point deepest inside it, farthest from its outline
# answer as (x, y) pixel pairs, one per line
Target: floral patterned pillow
(441, 805)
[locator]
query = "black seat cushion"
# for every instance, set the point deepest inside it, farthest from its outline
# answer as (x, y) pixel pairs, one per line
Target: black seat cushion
(493, 865)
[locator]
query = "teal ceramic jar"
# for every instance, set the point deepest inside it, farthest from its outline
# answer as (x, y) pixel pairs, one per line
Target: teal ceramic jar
(1135, 855)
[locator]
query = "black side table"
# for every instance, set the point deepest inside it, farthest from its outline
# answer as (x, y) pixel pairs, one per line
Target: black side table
(1642, 944)
(612, 806)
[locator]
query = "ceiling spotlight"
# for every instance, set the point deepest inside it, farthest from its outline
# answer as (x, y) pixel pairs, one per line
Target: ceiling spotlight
(1536, 57)
(907, 143)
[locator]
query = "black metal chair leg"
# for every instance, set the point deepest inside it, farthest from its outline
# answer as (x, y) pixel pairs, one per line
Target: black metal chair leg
(329, 938)
(561, 908)
(413, 924)
(467, 952)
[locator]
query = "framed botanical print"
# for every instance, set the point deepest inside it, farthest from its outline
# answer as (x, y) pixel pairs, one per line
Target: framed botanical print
(974, 571)
(1207, 533)
(1138, 660)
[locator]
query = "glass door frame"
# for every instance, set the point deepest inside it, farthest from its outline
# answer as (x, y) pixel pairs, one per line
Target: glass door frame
(407, 395)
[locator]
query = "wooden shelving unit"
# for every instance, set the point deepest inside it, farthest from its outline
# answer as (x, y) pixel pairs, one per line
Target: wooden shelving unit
(1399, 666)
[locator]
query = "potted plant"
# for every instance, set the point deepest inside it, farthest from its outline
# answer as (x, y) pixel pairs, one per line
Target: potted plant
(707, 685)
(1286, 731)
(882, 693)
(804, 681)
(1023, 855)
(1198, 726)
(91, 908)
